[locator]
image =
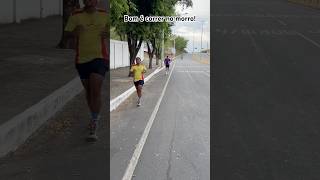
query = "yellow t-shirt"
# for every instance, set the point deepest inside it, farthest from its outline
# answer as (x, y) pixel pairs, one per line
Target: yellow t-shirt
(138, 71)
(90, 44)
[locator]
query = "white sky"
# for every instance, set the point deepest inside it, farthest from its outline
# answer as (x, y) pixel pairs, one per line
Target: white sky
(192, 30)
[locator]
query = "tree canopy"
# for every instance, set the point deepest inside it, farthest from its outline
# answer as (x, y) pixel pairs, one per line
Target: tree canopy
(135, 32)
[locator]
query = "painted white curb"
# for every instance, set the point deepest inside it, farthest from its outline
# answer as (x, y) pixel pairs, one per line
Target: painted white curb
(114, 103)
(15, 132)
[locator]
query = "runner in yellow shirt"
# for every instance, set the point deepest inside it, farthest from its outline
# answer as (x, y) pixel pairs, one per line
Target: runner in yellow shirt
(89, 26)
(138, 71)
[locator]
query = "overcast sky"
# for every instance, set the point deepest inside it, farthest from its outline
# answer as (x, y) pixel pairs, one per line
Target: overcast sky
(192, 30)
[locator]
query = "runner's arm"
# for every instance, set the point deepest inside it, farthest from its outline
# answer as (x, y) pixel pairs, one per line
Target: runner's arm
(144, 69)
(73, 28)
(104, 32)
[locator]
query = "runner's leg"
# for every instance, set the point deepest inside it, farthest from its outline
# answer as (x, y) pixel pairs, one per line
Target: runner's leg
(139, 91)
(136, 89)
(95, 85)
(85, 83)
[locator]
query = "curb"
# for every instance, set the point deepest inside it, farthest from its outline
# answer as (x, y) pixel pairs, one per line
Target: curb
(115, 102)
(18, 129)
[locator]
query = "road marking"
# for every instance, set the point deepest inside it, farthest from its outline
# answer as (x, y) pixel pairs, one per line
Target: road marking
(261, 32)
(137, 152)
(207, 74)
(267, 15)
(281, 22)
(258, 50)
(203, 66)
(308, 39)
(314, 31)
(190, 71)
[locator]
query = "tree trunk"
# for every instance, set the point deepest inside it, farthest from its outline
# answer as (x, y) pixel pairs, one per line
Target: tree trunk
(150, 55)
(157, 60)
(151, 51)
(134, 46)
(158, 52)
(158, 56)
(68, 7)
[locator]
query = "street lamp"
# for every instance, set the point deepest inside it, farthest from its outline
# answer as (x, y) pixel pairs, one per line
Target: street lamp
(202, 22)
(162, 51)
(174, 38)
(174, 43)
(193, 42)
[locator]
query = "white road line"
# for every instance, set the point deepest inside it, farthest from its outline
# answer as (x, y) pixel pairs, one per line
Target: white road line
(314, 31)
(204, 66)
(266, 15)
(137, 152)
(207, 74)
(190, 71)
(281, 22)
(310, 40)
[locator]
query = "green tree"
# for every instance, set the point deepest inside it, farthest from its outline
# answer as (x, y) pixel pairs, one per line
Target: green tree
(133, 32)
(181, 44)
(154, 37)
(137, 32)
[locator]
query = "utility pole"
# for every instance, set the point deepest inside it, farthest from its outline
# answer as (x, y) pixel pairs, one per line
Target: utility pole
(162, 51)
(174, 46)
(41, 9)
(201, 36)
(14, 11)
(193, 43)
(201, 40)
(174, 43)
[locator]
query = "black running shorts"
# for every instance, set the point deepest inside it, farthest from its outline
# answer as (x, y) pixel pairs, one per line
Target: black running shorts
(140, 82)
(97, 65)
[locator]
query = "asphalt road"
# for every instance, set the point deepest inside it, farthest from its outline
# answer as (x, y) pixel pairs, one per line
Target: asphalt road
(178, 144)
(266, 90)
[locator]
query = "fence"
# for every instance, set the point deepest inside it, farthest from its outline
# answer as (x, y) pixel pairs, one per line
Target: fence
(17, 10)
(310, 3)
(119, 54)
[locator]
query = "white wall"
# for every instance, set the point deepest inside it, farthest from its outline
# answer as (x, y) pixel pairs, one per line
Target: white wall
(51, 7)
(119, 54)
(32, 9)
(25, 9)
(6, 11)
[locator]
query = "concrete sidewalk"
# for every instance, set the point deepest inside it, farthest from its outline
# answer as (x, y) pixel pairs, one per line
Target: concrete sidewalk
(59, 151)
(32, 68)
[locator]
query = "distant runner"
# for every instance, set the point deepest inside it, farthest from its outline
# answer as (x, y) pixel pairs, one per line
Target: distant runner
(167, 63)
(89, 26)
(138, 71)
